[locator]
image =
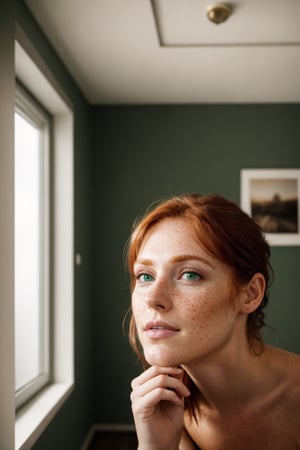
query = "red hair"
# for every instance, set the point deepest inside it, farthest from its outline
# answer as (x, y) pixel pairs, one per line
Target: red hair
(227, 233)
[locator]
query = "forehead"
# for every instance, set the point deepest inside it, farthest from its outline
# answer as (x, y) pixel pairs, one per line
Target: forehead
(172, 233)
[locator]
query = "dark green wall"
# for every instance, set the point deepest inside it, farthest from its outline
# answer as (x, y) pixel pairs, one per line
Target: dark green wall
(142, 153)
(70, 426)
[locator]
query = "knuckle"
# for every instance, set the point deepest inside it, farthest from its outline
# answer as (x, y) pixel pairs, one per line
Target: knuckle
(162, 380)
(156, 370)
(160, 391)
(135, 382)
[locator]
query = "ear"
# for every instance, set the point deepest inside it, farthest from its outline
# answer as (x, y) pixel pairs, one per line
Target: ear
(253, 293)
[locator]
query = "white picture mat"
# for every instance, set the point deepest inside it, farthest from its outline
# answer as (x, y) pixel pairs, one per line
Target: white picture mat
(280, 177)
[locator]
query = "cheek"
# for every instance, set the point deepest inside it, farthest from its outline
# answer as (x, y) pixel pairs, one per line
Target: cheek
(203, 312)
(134, 305)
(137, 306)
(137, 314)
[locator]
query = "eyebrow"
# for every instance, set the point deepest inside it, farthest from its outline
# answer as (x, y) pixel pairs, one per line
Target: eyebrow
(179, 258)
(192, 257)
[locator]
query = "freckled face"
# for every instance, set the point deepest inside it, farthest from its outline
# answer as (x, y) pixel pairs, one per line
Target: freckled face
(182, 297)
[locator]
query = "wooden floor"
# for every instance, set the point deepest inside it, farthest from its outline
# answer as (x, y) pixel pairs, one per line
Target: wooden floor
(109, 440)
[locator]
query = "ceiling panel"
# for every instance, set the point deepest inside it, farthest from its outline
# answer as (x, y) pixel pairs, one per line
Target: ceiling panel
(113, 51)
(252, 22)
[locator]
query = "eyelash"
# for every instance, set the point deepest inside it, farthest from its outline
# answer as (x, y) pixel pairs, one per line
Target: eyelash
(141, 277)
(192, 272)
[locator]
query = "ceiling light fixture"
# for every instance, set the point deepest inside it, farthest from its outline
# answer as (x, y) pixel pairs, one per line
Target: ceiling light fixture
(218, 13)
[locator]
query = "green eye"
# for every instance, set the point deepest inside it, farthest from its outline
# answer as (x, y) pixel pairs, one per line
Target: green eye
(145, 278)
(191, 276)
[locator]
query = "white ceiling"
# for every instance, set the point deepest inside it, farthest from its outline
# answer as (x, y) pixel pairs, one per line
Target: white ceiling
(167, 52)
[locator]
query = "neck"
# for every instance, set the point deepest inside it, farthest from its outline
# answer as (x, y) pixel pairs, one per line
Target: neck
(229, 379)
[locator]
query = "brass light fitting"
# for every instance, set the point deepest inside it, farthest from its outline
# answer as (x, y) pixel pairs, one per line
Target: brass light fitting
(218, 12)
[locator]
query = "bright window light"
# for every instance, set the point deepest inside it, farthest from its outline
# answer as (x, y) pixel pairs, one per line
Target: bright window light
(41, 389)
(32, 258)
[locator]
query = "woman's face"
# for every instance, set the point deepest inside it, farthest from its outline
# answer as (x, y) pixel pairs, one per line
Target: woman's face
(182, 298)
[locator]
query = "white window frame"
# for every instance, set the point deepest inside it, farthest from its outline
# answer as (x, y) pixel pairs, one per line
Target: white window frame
(34, 73)
(28, 108)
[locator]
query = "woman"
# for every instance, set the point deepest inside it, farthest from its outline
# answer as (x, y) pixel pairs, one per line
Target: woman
(200, 274)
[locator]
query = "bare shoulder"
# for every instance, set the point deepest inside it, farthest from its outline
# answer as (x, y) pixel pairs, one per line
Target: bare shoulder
(286, 363)
(293, 392)
(287, 366)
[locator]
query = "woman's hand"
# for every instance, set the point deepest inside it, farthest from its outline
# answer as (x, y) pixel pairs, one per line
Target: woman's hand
(157, 404)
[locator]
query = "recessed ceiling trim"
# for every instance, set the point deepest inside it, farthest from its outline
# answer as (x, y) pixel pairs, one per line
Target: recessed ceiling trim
(163, 44)
(157, 23)
(135, 68)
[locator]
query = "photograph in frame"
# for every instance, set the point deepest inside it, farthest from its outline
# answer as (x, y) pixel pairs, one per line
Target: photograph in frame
(272, 198)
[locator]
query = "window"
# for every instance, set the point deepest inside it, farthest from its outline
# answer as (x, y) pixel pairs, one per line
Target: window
(32, 249)
(32, 419)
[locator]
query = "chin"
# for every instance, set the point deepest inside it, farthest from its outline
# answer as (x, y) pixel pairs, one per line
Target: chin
(161, 359)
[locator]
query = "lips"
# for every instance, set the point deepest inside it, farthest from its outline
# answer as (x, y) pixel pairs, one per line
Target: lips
(158, 325)
(160, 330)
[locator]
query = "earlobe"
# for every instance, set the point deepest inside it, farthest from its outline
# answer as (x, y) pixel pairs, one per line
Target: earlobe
(253, 294)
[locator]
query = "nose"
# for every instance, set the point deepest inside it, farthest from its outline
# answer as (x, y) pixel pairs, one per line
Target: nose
(159, 295)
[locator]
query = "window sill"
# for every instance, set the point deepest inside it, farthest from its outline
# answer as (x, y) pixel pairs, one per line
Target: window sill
(34, 417)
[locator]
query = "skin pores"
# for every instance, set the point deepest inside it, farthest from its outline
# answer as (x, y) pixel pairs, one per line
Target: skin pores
(182, 299)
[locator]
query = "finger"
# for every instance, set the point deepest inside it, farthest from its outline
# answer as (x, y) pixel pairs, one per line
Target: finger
(160, 381)
(163, 381)
(145, 405)
(153, 371)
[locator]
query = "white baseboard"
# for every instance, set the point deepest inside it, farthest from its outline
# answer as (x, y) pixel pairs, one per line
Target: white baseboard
(115, 427)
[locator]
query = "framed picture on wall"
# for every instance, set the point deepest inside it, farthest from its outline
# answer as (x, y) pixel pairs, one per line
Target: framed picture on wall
(272, 198)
